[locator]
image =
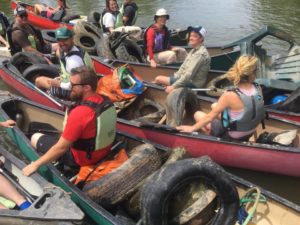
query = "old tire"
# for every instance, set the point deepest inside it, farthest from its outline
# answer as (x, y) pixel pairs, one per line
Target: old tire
(218, 86)
(129, 51)
(40, 69)
(83, 27)
(122, 182)
(181, 104)
(23, 60)
(49, 35)
(67, 18)
(94, 18)
(103, 48)
(149, 111)
(157, 191)
(86, 41)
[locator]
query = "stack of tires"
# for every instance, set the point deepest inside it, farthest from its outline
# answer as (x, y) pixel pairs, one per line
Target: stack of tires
(89, 36)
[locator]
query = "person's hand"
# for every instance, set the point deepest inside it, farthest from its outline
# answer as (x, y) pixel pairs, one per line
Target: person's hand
(174, 49)
(30, 169)
(185, 129)
(169, 89)
(153, 63)
(8, 123)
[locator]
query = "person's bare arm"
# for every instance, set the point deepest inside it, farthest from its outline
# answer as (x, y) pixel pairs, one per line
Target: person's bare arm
(222, 104)
(52, 154)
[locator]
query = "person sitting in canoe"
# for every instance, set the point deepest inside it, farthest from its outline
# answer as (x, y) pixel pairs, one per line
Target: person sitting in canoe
(193, 72)
(56, 13)
(4, 24)
(126, 19)
(129, 11)
(70, 57)
(157, 46)
(8, 191)
(110, 16)
(89, 130)
(238, 111)
(24, 37)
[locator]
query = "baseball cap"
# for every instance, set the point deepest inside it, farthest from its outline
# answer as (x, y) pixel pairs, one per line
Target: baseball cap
(20, 11)
(199, 29)
(162, 12)
(63, 33)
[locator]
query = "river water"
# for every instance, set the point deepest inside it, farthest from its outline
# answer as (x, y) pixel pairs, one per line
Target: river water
(225, 21)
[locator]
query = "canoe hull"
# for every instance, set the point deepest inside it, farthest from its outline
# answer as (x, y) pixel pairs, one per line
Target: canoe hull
(39, 21)
(229, 154)
(246, 156)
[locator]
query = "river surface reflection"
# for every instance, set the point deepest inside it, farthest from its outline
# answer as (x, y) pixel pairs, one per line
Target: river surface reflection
(225, 21)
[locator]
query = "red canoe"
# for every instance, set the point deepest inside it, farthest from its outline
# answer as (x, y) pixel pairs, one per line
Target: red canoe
(39, 21)
(147, 73)
(254, 156)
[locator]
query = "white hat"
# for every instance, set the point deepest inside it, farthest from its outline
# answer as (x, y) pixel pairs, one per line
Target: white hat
(161, 12)
(200, 30)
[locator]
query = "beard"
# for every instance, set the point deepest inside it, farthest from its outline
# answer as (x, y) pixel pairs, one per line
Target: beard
(76, 96)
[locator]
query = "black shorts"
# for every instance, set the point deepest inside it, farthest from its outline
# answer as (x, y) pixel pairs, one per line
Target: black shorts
(45, 142)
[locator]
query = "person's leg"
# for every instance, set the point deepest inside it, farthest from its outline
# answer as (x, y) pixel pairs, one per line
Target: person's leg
(180, 54)
(38, 8)
(165, 57)
(8, 191)
(163, 80)
(198, 116)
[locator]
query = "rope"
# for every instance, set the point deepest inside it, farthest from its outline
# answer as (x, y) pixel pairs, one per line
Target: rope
(248, 198)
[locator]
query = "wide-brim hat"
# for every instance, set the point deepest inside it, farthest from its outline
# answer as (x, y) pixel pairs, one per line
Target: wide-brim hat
(161, 12)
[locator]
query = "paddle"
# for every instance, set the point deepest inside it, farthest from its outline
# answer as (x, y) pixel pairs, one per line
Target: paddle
(156, 86)
(14, 180)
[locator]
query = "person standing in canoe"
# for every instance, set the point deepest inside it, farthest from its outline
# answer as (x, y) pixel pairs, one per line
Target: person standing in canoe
(193, 71)
(238, 111)
(24, 37)
(157, 46)
(89, 130)
(56, 13)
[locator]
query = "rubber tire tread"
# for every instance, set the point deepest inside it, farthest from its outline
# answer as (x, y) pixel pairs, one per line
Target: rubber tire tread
(103, 48)
(42, 69)
(94, 18)
(122, 52)
(68, 17)
(157, 191)
(85, 27)
(213, 85)
(49, 35)
(180, 102)
(123, 181)
(86, 41)
(22, 60)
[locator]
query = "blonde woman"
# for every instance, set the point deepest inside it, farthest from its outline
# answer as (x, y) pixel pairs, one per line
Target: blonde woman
(238, 111)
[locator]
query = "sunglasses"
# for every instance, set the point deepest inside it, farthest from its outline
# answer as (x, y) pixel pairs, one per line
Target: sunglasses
(73, 85)
(23, 16)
